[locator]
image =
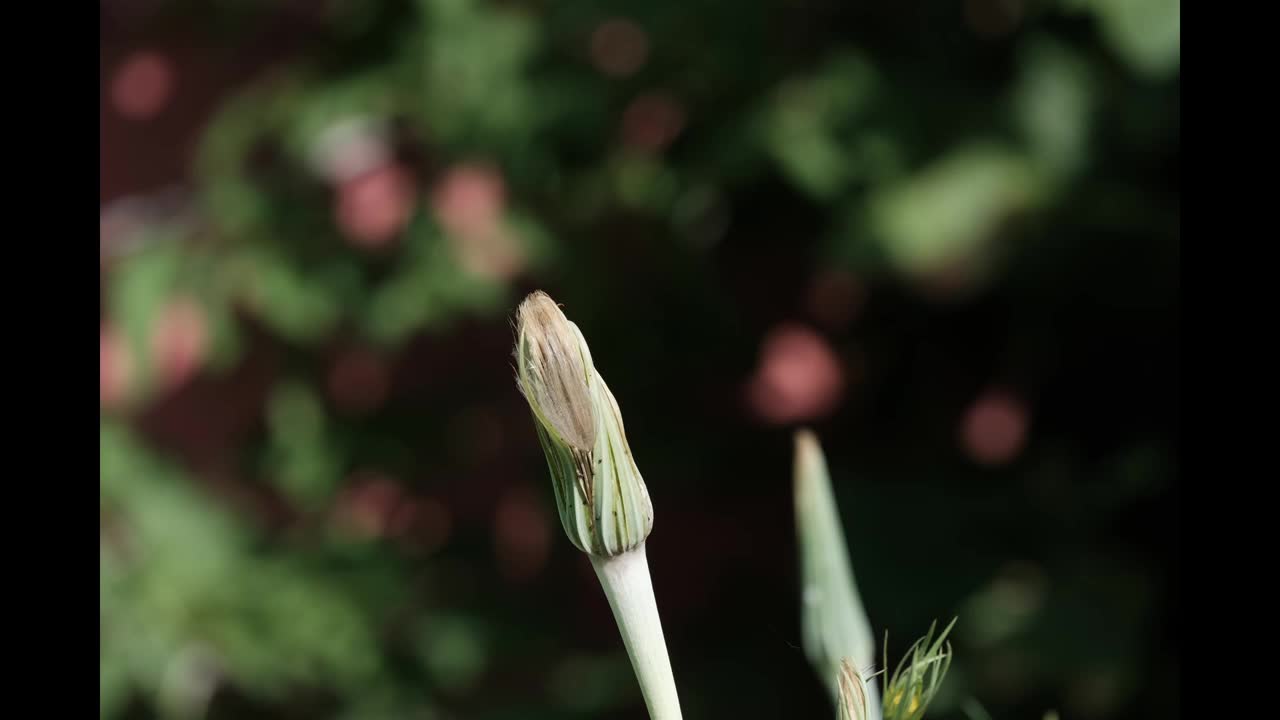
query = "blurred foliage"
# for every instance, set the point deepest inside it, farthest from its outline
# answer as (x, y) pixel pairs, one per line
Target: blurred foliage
(320, 496)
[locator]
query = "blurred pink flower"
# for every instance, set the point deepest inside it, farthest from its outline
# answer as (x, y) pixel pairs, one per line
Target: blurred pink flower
(368, 505)
(424, 524)
(142, 85)
(619, 47)
(799, 377)
(652, 121)
(115, 368)
(469, 202)
(994, 428)
(179, 341)
(374, 207)
(470, 199)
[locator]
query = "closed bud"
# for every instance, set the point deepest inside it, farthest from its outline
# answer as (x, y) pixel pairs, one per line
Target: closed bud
(602, 500)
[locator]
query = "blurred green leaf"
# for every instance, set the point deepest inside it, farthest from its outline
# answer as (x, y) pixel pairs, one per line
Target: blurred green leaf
(953, 210)
(593, 684)
(1054, 103)
(304, 460)
(810, 120)
(473, 72)
(1147, 34)
(454, 651)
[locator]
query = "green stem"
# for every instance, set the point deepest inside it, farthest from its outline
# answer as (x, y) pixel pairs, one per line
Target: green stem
(626, 583)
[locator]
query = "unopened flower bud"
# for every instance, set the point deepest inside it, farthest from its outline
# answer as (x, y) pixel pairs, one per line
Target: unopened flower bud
(602, 500)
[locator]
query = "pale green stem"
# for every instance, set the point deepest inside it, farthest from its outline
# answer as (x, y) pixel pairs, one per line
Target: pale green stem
(626, 583)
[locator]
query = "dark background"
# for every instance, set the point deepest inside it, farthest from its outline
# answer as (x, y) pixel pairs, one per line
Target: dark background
(944, 235)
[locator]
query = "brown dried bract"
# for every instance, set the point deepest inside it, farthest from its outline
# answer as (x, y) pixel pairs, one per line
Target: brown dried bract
(553, 373)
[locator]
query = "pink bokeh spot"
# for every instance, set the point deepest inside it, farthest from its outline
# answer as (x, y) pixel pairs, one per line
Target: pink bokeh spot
(799, 377)
(423, 524)
(619, 47)
(374, 207)
(142, 85)
(994, 429)
(470, 202)
(368, 506)
(115, 368)
(375, 506)
(179, 341)
(470, 199)
(652, 121)
(522, 536)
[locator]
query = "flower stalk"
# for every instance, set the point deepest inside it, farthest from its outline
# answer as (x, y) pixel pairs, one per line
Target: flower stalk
(837, 632)
(601, 498)
(626, 583)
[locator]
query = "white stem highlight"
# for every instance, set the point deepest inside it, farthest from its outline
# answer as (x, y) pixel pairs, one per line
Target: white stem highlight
(626, 583)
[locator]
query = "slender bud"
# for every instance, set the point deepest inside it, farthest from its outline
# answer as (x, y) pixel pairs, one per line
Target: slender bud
(603, 503)
(834, 622)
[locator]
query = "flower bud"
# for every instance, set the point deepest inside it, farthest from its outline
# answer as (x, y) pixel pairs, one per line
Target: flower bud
(602, 500)
(834, 623)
